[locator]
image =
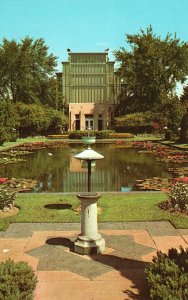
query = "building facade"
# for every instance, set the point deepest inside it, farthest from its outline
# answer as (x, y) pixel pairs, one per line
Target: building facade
(89, 88)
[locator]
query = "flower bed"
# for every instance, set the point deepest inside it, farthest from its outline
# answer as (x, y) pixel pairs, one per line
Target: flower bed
(116, 135)
(57, 136)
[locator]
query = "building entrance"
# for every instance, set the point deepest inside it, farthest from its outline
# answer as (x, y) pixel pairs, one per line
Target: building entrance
(77, 122)
(100, 122)
(89, 122)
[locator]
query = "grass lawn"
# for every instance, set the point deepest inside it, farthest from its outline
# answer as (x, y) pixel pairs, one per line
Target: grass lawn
(7, 145)
(55, 208)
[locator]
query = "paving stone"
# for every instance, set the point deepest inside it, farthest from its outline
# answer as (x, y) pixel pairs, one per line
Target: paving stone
(26, 229)
(52, 258)
(118, 272)
(126, 246)
(162, 228)
(111, 225)
(183, 231)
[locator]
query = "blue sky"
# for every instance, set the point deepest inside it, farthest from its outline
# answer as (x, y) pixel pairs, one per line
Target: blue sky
(90, 25)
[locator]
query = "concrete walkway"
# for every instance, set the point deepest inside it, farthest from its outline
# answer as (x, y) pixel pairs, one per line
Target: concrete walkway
(117, 274)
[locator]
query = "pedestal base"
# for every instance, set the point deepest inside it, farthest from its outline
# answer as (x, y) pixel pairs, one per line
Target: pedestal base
(89, 240)
(84, 246)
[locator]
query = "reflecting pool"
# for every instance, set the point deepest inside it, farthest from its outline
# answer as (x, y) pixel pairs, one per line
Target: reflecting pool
(56, 170)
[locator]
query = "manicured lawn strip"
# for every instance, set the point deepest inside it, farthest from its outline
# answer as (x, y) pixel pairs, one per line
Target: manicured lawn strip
(138, 207)
(35, 208)
(115, 208)
(21, 141)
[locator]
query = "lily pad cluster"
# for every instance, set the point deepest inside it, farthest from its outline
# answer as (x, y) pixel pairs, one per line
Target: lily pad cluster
(182, 171)
(18, 184)
(154, 184)
(163, 153)
(167, 155)
(10, 160)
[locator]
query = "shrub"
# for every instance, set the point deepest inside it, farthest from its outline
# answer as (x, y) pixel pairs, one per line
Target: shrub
(17, 281)
(12, 137)
(6, 199)
(3, 136)
(57, 136)
(140, 122)
(168, 134)
(167, 275)
(78, 134)
(36, 119)
(8, 120)
(178, 195)
(118, 135)
(184, 129)
(103, 134)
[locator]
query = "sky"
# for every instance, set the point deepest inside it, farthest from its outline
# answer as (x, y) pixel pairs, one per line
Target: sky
(90, 25)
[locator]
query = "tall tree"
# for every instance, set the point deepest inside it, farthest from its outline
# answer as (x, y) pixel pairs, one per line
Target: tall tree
(152, 68)
(25, 68)
(184, 96)
(184, 121)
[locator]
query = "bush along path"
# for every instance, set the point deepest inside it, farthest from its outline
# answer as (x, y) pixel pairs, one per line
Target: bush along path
(167, 275)
(17, 280)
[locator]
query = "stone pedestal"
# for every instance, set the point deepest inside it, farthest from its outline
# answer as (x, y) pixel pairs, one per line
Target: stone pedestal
(89, 240)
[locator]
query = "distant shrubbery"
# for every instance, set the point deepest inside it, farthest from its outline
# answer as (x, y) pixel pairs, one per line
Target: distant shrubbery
(168, 134)
(57, 136)
(8, 121)
(2, 136)
(36, 119)
(103, 134)
(140, 122)
(119, 135)
(184, 129)
(78, 134)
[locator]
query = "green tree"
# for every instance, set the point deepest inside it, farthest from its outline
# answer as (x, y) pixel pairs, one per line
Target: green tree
(171, 112)
(184, 121)
(26, 69)
(151, 69)
(184, 128)
(8, 121)
(36, 119)
(184, 97)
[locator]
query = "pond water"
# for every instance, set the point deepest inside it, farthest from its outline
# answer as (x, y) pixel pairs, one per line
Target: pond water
(56, 170)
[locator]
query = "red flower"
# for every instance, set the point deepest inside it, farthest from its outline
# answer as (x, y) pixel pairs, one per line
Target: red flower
(4, 180)
(183, 179)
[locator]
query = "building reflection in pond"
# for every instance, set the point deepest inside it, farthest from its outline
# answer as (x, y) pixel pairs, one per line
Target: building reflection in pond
(61, 172)
(102, 180)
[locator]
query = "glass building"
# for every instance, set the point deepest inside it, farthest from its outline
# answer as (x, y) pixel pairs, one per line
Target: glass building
(89, 90)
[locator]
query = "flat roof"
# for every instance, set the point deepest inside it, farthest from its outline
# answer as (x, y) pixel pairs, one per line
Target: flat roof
(92, 53)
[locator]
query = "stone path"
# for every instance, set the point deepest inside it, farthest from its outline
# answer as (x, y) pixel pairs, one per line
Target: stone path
(117, 274)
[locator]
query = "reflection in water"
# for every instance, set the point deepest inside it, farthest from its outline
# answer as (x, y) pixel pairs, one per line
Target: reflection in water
(61, 172)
